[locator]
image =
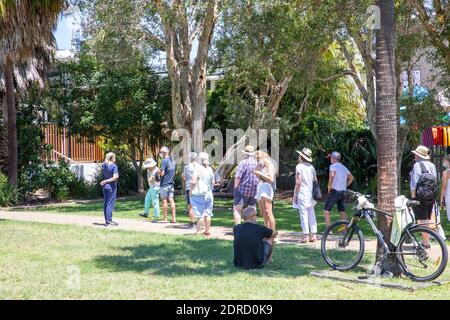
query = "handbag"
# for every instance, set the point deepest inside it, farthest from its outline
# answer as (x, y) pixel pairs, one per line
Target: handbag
(316, 193)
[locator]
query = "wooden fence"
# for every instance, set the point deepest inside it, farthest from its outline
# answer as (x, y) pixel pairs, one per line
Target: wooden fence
(75, 148)
(78, 149)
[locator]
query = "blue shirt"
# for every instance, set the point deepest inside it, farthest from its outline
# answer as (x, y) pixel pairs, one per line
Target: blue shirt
(109, 170)
(168, 166)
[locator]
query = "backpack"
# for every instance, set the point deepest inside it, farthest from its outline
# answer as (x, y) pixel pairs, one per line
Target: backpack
(427, 188)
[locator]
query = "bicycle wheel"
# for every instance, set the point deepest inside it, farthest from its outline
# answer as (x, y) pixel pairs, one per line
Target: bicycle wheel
(342, 247)
(418, 262)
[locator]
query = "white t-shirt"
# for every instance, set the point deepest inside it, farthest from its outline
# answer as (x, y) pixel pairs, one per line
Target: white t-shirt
(308, 174)
(340, 178)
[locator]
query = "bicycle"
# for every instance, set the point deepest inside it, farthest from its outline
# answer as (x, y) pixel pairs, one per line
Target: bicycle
(345, 240)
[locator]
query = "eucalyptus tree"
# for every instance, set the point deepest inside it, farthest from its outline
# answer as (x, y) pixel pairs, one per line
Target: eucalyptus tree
(435, 19)
(264, 46)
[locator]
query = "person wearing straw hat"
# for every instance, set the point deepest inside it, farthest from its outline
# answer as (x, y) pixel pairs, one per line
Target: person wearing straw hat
(305, 175)
(245, 183)
(152, 196)
(422, 166)
(340, 178)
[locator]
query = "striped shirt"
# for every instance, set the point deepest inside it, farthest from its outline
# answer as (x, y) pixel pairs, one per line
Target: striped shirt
(245, 172)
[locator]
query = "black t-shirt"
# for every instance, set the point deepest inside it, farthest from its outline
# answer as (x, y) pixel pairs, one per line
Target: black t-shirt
(248, 244)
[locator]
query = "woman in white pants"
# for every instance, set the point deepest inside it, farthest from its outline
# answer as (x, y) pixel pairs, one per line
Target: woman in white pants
(305, 174)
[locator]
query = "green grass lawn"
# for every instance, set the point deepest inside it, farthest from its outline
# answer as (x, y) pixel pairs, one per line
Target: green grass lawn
(38, 261)
(287, 217)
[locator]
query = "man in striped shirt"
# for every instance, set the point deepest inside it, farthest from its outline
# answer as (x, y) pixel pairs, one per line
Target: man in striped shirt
(245, 183)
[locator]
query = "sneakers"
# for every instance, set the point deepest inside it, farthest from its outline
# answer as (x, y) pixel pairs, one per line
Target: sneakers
(191, 225)
(111, 223)
(143, 215)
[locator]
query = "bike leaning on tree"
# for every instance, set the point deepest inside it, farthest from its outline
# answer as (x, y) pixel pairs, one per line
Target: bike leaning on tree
(343, 243)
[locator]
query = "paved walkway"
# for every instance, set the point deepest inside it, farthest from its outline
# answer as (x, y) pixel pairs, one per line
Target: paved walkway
(218, 232)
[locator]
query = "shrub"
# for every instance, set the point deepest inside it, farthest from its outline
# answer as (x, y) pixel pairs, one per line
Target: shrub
(58, 178)
(8, 195)
(82, 189)
(127, 183)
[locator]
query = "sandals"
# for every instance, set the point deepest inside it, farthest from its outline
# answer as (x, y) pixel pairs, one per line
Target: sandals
(312, 238)
(305, 240)
(207, 234)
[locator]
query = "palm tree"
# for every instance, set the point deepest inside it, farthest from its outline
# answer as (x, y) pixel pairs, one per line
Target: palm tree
(25, 26)
(386, 122)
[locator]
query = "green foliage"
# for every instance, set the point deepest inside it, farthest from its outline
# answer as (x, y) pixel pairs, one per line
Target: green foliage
(82, 189)
(8, 195)
(57, 179)
(357, 147)
(127, 183)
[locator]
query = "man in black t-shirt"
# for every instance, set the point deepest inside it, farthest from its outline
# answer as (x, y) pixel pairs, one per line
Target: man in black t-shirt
(253, 243)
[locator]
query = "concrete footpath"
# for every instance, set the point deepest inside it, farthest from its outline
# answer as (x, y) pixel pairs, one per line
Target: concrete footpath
(145, 225)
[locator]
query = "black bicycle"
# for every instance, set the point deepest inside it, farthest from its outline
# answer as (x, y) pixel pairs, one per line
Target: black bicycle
(343, 243)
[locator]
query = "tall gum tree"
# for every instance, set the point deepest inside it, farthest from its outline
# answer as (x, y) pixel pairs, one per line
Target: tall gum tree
(186, 30)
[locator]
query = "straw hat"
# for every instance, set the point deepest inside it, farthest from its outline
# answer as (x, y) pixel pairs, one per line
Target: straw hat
(306, 154)
(149, 163)
(249, 150)
(422, 152)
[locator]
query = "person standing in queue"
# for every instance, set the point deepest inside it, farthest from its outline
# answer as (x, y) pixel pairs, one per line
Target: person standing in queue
(167, 175)
(110, 174)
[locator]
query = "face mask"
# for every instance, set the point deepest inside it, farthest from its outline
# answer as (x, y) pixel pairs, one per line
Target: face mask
(445, 165)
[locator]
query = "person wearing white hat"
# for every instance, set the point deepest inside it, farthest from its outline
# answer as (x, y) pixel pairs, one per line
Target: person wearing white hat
(422, 166)
(152, 196)
(188, 171)
(201, 190)
(305, 175)
(340, 178)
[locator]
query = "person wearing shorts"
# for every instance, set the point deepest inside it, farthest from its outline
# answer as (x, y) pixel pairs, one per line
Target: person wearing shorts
(166, 190)
(245, 184)
(202, 199)
(188, 170)
(340, 178)
(424, 211)
(253, 243)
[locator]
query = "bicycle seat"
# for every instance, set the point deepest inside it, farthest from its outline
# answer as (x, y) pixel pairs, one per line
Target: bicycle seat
(412, 203)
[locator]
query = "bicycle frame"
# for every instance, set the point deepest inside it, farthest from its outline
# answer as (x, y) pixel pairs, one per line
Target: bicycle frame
(365, 214)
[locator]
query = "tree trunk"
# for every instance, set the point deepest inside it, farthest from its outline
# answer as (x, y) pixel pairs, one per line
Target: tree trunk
(386, 126)
(3, 137)
(12, 124)
(137, 167)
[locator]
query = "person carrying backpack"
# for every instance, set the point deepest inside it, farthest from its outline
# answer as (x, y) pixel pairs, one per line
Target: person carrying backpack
(424, 186)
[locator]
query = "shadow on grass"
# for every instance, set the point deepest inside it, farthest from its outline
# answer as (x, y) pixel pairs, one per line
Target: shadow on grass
(207, 257)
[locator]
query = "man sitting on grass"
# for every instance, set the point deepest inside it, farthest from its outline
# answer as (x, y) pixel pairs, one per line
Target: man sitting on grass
(253, 243)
